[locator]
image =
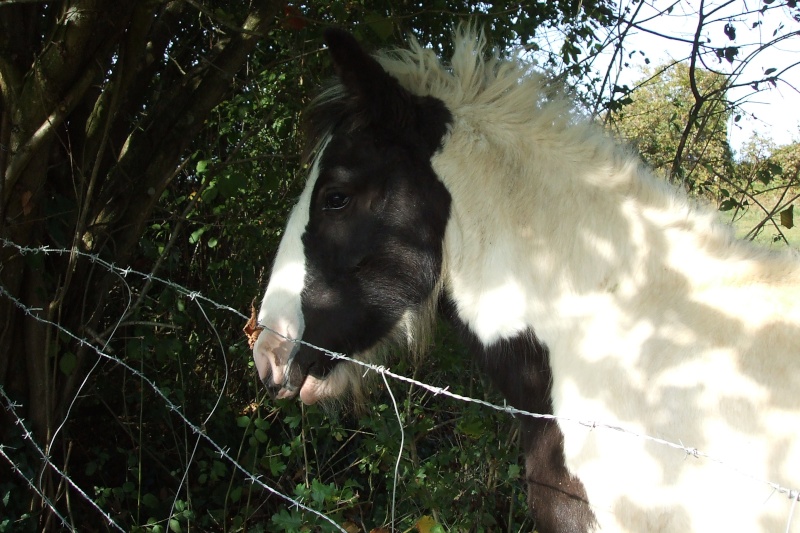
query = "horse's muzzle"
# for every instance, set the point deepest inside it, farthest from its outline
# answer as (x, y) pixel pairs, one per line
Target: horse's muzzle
(272, 355)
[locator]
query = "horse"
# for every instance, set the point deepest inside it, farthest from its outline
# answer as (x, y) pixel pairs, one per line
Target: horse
(586, 288)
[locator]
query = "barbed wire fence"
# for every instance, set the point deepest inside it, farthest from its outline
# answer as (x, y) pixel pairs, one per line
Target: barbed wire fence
(98, 346)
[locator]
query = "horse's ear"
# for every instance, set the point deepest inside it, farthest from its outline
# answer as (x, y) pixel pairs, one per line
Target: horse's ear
(360, 74)
(380, 96)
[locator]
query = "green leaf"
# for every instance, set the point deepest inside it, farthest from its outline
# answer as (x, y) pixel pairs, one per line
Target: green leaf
(150, 500)
(260, 435)
(202, 166)
(210, 193)
(67, 363)
(276, 466)
(218, 469)
(232, 183)
(195, 236)
(175, 526)
(287, 521)
(381, 25)
(292, 421)
(321, 492)
(787, 217)
(472, 428)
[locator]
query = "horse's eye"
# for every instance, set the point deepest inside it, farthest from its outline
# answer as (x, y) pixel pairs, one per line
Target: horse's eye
(335, 201)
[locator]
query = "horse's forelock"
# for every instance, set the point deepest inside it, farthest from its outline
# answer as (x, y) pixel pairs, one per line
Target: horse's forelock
(321, 117)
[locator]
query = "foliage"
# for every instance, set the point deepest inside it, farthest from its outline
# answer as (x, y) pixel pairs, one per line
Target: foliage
(757, 190)
(764, 188)
(163, 137)
(655, 121)
(678, 114)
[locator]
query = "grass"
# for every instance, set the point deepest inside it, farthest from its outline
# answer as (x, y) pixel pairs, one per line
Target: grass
(769, 235)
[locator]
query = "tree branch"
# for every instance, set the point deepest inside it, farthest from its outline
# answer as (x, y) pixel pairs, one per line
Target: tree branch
(698, 98)
(45, 130)
(160, 143)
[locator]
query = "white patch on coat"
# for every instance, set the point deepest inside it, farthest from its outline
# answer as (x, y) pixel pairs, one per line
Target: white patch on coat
(281, 310)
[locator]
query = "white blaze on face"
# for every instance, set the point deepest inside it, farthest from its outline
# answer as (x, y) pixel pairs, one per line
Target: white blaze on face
(281, 313)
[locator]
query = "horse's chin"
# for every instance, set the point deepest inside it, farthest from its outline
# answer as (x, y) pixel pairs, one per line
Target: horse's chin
(314, 390)
(311, 391)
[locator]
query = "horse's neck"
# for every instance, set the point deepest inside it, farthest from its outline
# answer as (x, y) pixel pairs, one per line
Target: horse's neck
(557, 237)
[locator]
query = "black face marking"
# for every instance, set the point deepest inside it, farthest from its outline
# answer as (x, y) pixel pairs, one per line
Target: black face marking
(378, 212)
(373, 244)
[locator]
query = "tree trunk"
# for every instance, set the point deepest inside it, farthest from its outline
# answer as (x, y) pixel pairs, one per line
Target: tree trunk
(95, 118)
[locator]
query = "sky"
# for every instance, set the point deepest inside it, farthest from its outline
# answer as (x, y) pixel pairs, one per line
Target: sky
(773, 113)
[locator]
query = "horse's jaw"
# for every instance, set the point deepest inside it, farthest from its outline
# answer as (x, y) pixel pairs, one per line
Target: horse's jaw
(311, 391)
(314, 389)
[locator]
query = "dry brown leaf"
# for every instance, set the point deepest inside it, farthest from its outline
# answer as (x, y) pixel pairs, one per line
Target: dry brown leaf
(351, 527)
(252, 330)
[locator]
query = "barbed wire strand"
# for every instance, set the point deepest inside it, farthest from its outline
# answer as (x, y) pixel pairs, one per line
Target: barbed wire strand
(89, 373)
(399, 453)
(169, 404)
(28, 436)
(791, 493)
(32, 485)
(191, 456)
(124, 272)
(791, 513)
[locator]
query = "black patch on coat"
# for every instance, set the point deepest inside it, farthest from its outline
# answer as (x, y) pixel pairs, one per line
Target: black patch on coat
(520, 369)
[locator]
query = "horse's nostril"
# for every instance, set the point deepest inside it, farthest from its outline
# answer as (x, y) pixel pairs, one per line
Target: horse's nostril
(279, 391)
(272, 388)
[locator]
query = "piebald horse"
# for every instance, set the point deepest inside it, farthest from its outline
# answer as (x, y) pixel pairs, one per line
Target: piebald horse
(584, 286)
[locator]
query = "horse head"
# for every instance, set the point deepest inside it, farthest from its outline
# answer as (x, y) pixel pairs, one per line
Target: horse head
(362, 248)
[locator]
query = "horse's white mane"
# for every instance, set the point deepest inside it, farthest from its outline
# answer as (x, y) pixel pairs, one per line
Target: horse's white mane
(503, 91)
